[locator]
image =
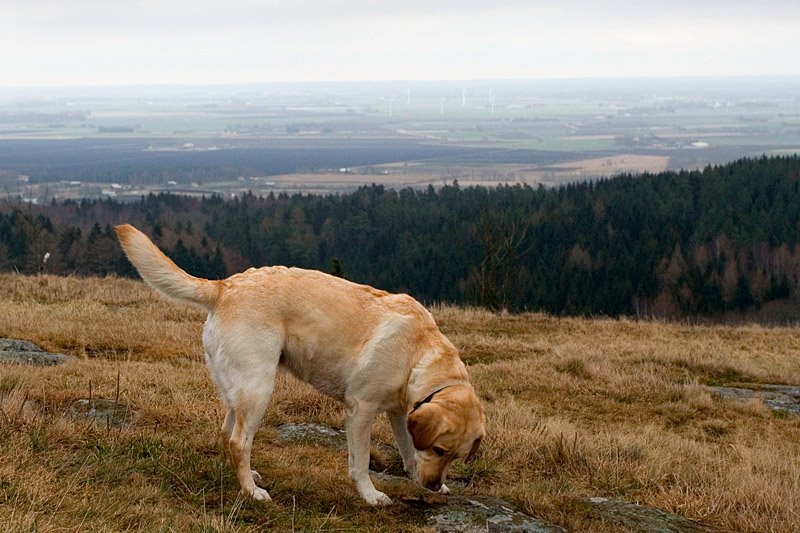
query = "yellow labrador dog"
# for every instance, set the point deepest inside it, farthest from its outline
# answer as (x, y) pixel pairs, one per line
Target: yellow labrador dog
(375, 351)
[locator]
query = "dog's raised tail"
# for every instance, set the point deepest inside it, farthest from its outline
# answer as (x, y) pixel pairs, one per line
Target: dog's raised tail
(161, 273)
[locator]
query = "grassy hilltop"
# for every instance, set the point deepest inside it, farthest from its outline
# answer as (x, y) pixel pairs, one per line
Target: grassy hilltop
(576, 408)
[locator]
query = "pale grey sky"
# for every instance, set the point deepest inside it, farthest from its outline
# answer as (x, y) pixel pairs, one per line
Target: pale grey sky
(101, 42)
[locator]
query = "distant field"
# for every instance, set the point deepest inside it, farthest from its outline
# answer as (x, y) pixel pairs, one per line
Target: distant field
(422, 173)
(72, 168)
(576, 408)
(76, 168)
(618, 164)
(476, 129)
(159, 160)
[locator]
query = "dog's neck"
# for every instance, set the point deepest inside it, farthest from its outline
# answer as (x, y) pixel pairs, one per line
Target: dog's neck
(436, 370)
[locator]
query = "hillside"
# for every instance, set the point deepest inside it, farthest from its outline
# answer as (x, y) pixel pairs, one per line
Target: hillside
(576, 408)
(673, 244)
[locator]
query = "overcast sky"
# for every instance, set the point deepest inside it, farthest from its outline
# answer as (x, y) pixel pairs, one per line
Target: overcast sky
(101, 42)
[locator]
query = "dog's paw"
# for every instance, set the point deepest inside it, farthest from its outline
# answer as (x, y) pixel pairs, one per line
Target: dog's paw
(260, 494)
(256, 476)
(443, 489)
(377, 499)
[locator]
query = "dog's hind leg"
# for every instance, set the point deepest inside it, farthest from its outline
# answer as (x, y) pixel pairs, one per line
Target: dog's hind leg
(249, 411)
(247, 380)
(227, 432)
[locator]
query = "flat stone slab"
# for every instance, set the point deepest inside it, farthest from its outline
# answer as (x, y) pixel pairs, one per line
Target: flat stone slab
(454, 513)
(784, 398)
(314, 434)
(103, 412)
(484, 513)
(22, 352)
(788, 390)
(645, 519)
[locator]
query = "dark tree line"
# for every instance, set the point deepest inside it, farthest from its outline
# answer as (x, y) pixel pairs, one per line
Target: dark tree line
(674, 243)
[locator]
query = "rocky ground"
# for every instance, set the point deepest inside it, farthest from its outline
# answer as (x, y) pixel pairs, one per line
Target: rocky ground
(450, 513)
(457, 513)
(781, 398)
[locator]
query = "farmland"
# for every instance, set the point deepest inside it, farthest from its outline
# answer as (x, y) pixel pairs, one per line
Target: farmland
(334, 137)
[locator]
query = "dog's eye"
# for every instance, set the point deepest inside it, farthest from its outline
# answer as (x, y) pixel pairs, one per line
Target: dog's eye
(439, 451)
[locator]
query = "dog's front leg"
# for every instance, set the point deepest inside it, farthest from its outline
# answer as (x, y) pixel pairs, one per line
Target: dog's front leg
(404, 442)
(359, 428)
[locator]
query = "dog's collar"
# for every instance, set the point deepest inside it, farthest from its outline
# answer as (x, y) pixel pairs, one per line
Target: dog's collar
(429, 397)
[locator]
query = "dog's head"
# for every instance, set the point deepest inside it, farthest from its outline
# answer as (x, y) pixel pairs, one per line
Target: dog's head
(447, 427)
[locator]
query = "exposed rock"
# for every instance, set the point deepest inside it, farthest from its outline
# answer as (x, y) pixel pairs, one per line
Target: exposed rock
(26, 353)
(455, 513)
(483, 514)
(314, 434)
(784, 398)
(103, 412)
(17, 345)
(645, 519)
(382, 457)
(446, 513)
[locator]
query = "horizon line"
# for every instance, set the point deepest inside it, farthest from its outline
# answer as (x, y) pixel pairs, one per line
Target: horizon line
(666, 77)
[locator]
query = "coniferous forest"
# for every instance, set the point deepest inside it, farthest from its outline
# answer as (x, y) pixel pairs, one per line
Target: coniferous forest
(670, 244)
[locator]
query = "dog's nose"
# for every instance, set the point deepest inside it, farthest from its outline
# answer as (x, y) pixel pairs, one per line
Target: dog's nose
(435, 486)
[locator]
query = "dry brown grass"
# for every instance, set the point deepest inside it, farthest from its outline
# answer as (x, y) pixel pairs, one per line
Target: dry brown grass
(575, 408)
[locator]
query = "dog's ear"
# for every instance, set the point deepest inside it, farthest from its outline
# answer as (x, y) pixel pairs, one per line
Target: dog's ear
(473, 450)
(424, 425)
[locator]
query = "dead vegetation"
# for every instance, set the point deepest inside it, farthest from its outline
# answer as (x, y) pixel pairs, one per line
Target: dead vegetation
(576, 408)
